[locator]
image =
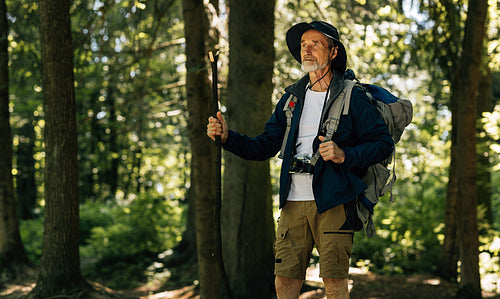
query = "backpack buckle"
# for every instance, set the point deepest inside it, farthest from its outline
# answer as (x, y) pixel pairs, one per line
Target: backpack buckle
(330, 126)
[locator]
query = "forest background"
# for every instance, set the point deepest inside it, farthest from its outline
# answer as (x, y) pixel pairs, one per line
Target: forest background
(142, 150)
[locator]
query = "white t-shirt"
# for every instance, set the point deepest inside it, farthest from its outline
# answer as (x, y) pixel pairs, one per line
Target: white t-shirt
(301, 187)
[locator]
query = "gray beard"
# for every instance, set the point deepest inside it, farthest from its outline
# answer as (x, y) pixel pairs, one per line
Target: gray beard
(311, 66)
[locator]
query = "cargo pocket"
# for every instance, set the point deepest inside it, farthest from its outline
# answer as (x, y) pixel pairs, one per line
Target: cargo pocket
(286, 261)
(280, 243)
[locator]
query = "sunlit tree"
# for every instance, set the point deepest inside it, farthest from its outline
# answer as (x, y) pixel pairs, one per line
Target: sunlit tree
(59, 271)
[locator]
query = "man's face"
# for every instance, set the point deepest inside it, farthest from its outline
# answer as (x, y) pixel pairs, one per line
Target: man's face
(314, 51)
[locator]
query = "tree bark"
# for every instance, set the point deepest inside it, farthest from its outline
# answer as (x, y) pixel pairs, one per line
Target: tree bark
(484, 183)
(60, 262)
(467, 93)
(12, 254)
(448, 268)
(202, 148)
(248, 228)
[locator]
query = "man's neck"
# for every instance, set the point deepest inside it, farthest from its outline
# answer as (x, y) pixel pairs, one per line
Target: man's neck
(324, 76)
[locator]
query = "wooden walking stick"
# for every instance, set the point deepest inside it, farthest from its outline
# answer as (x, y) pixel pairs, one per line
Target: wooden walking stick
(218, 182)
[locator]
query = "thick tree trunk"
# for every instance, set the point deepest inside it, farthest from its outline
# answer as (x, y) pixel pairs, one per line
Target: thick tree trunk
(248, 228)
(12, 254)
(60, 263)
(202, 149)
(467, 93)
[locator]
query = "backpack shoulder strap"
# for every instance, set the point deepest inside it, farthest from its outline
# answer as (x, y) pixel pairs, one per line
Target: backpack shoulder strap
(339, 107)
(288, 109)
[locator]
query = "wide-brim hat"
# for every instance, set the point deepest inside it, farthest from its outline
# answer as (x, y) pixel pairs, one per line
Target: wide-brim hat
(294, 37)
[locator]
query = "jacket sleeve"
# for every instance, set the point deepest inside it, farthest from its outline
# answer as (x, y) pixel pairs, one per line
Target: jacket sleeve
(374, 142)
(263, 146)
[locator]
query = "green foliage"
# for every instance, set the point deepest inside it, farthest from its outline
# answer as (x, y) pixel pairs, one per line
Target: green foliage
(145, 224)
(409, 230)
(118, 241)
(32, 235)
(489, 256)
(129, 97)
(123, 238)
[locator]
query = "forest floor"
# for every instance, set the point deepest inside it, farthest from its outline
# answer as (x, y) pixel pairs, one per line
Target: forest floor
(364, 285)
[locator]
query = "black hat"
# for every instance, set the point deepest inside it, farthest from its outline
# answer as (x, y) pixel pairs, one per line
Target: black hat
(294, 37)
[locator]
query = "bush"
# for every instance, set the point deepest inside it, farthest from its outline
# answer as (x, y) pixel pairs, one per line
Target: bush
(118, 241)
(123, 239)
(408, 234)
(94, 214)
(145, 224)
(32, 236)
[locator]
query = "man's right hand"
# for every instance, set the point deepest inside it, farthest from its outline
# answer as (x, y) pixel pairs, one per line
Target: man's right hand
(217, 126)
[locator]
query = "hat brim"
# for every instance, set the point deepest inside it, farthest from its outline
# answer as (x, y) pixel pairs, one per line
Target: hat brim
(294, 37)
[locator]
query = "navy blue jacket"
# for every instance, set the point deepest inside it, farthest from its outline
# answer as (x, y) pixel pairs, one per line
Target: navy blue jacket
(362, 135)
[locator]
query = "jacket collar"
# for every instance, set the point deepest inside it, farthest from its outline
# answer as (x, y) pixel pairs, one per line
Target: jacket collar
(298, 89)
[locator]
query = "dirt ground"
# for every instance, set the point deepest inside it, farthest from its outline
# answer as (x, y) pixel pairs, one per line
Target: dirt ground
(362, 285)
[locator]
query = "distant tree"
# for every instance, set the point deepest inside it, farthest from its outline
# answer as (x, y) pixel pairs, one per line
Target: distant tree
(12, 254)
(445, 48)
(466, 92)
(484, 168)
(59, 271)
(447, 14)
(26, 188)
(25, 70)
(248, 227)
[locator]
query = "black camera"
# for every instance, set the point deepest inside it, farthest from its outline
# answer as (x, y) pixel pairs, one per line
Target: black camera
(301, 165)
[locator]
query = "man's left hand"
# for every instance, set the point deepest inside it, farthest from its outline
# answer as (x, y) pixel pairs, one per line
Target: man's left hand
(330, 151)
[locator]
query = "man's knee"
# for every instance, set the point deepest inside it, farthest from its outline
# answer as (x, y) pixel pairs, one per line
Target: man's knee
(287, 288)
(336, 288)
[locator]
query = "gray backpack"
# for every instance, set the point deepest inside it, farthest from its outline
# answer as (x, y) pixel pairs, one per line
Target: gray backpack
(397, 114)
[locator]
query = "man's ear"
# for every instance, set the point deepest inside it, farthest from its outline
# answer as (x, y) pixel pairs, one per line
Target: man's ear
(333, 52)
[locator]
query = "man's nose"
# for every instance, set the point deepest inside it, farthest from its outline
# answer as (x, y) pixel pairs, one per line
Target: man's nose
(307, 49)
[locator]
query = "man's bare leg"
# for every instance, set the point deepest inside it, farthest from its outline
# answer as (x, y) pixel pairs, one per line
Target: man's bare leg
(336, 288)
(287, 288)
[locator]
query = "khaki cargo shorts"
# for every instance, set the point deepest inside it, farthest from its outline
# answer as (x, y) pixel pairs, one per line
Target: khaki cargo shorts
(301, 227)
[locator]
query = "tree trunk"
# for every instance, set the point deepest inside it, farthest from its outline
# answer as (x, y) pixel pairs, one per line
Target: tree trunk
(26, 189)
(248, 227)
(60, 263)
(113, 145)
(448, 268)
(484, 187)
(12, 254)
(466, 93)
(202, 149)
